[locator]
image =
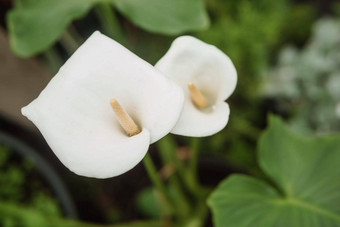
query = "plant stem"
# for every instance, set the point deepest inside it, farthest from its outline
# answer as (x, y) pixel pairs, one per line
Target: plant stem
(167, 149)
(70, 40)
(191, 178)
(53, 60)
(157, 182)
(199, 216)
(193, 162)
(109, 22)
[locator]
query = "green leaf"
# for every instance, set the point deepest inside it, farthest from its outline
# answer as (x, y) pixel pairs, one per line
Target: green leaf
(306, 184)
(166, 17)
(36, 24)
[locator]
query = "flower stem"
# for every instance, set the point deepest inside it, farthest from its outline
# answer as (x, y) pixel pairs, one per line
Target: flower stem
(167, 149)
(53, 60)
(199, 215)
(193, 162)
(157, 182)
(110, 22)
(70, 40)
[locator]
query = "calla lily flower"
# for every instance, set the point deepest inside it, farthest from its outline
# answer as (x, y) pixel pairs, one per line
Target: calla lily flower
(208, 78)
(103, 109)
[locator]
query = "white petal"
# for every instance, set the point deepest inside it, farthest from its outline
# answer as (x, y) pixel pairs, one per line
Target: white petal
(202, 123)
(73, 112)
(213, 73)
(191, 60)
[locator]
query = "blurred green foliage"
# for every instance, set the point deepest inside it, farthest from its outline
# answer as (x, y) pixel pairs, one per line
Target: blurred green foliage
(26, 202)
(21, 185)
(246, 31)
(303, 189)
(306, 83)
(146, 202)
(22, 216)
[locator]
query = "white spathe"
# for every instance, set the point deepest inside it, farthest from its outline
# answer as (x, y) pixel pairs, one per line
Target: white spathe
(74, 114)
(213, 73)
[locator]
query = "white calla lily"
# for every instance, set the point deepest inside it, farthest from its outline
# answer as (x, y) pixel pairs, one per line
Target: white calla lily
(74, 114)
(208, 78)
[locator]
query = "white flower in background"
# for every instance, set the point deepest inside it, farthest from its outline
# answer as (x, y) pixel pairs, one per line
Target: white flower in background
(208, 77)
(103, 108)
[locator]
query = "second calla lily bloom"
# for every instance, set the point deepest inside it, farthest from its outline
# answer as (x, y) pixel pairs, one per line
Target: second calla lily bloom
(208, 77)
(103, 108)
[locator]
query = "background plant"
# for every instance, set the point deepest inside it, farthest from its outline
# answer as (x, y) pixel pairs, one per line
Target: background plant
(21, 184)
(306, 82)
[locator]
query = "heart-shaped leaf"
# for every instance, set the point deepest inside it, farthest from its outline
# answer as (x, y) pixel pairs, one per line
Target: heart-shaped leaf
(305, 189)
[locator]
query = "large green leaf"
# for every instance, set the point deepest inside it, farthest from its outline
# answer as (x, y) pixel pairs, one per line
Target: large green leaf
(36, 24)
(170, 17)
(305, 188)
